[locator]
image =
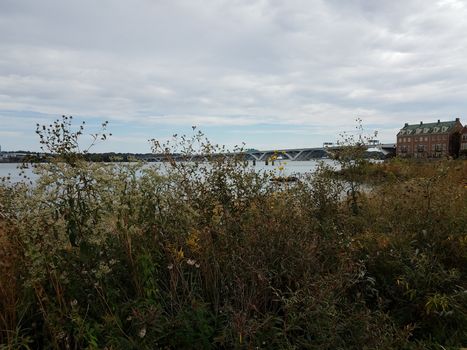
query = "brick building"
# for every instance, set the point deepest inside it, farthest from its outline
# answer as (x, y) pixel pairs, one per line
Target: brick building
(463, 147)
(431, 140)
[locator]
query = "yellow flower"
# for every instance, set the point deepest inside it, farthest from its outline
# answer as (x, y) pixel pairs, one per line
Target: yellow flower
(192, 240)
(179, 255)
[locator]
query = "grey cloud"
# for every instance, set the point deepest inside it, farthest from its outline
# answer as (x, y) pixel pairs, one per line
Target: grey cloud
(235, 62)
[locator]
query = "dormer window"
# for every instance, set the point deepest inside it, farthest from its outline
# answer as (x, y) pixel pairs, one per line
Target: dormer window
(436, 129)
(402, 132)
(444, 128)
(426, 130)
(418, 131)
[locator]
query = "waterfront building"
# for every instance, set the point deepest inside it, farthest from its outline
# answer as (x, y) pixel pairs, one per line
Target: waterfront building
(463, 147)
(430, 140)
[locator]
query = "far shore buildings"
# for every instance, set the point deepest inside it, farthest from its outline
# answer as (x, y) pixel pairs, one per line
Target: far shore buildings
(431, 140)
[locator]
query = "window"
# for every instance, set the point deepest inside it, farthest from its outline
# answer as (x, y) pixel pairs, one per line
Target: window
(418, 131)
(425, 130)
(421, 148)
(426, 138)
(464, 137)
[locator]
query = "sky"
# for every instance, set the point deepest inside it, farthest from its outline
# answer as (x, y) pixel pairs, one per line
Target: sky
(270, 73)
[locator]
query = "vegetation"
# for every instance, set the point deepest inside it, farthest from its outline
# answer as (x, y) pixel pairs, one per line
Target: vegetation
(129, 256)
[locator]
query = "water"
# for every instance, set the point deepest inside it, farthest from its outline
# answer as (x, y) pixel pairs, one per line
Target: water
(14, 173)
(280, 168)
(292, 167)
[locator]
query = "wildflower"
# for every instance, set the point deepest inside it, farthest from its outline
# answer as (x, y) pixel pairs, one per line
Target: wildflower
(61, 335)
(142, 332)
(193, 240)
(180, 254)
(170, 266)
(74, 302)
(191, 262)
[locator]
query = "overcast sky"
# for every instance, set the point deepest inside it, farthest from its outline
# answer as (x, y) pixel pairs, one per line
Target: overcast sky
(273, 74)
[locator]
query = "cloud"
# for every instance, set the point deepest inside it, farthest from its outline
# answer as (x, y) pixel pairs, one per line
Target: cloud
(234, 63)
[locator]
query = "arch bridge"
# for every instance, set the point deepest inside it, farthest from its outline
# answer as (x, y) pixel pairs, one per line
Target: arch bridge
(292, 154)
(313, 153)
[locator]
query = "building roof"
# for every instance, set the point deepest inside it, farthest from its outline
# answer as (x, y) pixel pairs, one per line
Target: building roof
(429, 128)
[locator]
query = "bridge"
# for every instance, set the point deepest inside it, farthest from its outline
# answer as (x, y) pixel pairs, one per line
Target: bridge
(291, 154)
(313, 153)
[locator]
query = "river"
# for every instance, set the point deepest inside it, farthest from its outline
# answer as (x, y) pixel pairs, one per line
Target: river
(281, 168)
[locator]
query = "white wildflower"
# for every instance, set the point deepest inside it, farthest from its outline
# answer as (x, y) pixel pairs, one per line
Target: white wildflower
(142, 332)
